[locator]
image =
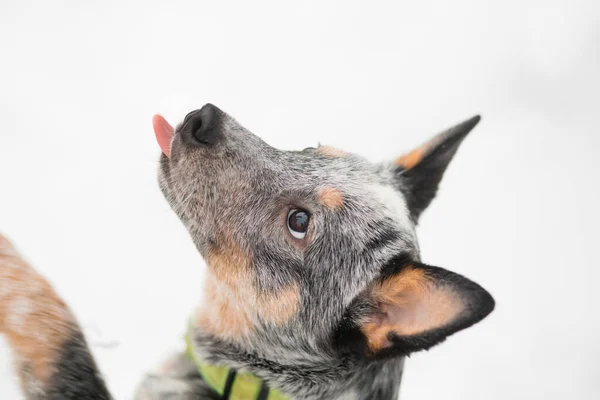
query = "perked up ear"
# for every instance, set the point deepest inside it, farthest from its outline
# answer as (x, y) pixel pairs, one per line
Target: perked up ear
(420, 171)
(410, 307)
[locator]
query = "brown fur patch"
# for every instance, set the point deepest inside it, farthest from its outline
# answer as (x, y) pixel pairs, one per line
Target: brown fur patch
(409, 160)
(229, 263)
(412, 159)
(278, 308)
(232, 305)
(224, 313)
(409, 304)
(331, 151)
(35, 321)
(331, 198)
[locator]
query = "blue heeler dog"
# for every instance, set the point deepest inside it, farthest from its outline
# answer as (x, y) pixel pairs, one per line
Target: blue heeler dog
(314, 287)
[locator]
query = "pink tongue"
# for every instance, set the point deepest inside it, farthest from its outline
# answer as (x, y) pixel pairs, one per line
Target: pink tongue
(164, 134)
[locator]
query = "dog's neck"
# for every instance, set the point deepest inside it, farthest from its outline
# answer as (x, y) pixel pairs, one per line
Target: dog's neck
(305, 376)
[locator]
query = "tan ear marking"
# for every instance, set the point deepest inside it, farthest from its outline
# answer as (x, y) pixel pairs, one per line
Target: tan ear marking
(410, 160)
(331, 198)
(409, 304)
(331, 151)
(452, 137)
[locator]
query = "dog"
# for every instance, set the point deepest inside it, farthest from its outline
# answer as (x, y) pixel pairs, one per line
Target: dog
(314, 286)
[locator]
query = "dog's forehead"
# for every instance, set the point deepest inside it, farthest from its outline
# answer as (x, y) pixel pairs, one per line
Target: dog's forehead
(317, 167)
(333, 174)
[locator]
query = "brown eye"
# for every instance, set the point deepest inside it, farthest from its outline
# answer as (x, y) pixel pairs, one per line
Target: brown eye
(297, 222)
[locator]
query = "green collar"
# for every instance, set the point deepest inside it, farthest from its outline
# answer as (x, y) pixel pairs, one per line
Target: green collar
(230, 383)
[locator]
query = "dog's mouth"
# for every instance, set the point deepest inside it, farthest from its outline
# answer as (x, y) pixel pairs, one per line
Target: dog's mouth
(164, 133)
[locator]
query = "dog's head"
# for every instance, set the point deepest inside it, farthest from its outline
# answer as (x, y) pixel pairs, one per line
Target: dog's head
(314, 247)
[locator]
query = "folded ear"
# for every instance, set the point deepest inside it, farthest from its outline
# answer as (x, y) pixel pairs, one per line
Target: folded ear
(411, 307)
(420, 171)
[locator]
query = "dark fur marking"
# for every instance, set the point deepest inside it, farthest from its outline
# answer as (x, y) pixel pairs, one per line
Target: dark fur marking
(384, 234)
(77, 376)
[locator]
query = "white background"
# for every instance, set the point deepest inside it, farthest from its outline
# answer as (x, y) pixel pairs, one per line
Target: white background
(517, 211)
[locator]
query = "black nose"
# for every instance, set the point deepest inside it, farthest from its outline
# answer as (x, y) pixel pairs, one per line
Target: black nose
(203, 127)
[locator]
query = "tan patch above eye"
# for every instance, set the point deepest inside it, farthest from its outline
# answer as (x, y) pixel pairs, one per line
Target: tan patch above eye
(331, 197)
(331, 151)
(409, 304)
